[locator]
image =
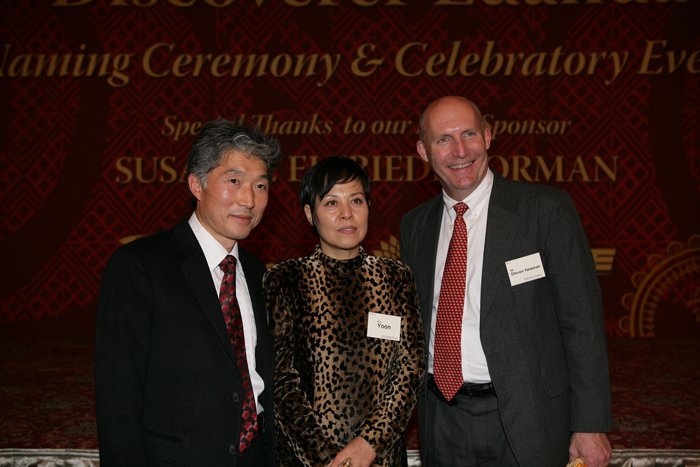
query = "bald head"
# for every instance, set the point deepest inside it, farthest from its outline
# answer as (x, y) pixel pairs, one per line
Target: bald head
(454, 140)
(442, 103)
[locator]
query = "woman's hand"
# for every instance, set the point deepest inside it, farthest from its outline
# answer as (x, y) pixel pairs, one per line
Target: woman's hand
(359, 451)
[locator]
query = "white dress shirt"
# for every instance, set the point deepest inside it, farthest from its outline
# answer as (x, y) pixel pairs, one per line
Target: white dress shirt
(474, 367)
(214, 253)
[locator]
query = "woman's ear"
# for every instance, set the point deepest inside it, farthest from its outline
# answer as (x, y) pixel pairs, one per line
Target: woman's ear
(309, 214)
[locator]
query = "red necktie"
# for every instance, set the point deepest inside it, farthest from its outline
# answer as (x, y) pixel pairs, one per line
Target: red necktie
(234, 324)
(447, 359)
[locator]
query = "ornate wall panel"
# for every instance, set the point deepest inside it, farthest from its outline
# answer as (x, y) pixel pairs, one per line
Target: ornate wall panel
(101, 99)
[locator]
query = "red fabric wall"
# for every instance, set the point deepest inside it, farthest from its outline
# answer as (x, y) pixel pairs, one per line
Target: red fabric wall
(100, 101)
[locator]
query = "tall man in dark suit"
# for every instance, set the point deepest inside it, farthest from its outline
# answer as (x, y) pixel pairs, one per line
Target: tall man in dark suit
(184, 358)
(517, 360)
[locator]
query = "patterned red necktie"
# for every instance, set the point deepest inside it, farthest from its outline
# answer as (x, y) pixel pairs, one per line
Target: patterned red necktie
(447, 359)
(234, 324)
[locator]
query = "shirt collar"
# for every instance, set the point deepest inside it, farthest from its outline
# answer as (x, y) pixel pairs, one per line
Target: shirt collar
(214, 252)
(477, 200)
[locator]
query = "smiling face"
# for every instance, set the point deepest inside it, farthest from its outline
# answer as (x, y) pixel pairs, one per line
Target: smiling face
(235, 196)
(340, 219)
(455, 145)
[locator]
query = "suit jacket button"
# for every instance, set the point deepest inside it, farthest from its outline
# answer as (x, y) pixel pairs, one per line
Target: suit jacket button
(235, 397)
(232, 449)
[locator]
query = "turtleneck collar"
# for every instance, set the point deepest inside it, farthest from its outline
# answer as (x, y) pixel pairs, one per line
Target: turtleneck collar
(339, 266)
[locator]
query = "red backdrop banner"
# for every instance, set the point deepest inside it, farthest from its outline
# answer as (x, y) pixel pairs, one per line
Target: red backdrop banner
(101, 99)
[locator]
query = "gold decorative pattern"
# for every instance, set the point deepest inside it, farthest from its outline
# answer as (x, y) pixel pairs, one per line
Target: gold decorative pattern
(673, 277)
(389, 250)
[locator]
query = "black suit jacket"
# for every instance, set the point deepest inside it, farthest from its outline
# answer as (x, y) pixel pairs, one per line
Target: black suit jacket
(167, 384)
(544, 340)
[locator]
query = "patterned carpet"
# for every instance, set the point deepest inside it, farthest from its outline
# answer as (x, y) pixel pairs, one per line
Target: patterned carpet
(655, 393)
(47, 395)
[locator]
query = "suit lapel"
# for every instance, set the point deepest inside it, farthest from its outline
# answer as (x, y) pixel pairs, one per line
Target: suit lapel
(196, 271)
(427, 243)
(501, 230)
(255, 291)
(264, 350)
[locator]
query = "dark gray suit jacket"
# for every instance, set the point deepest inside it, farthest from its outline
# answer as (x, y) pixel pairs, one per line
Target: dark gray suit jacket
(544, 340)
(167, 384)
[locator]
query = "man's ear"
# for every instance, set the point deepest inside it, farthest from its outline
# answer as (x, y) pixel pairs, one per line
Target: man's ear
(195, 185)
(420, 147)
(309, 214)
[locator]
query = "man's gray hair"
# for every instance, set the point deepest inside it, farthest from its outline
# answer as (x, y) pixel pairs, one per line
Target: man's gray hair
(220, 137)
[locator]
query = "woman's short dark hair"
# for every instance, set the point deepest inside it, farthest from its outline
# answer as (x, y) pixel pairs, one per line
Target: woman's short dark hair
(322, 177)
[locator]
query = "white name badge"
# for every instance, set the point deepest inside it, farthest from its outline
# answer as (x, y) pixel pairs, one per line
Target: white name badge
(384, 326)
(525, 269)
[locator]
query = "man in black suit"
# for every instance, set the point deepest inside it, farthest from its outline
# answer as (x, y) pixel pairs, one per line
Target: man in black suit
(184, 358)
(517, 359)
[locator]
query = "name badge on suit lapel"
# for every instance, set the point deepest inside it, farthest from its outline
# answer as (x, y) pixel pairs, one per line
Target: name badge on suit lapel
(525, 269)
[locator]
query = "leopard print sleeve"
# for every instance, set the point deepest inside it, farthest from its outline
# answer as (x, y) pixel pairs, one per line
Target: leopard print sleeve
(388, 418)
(300, 441)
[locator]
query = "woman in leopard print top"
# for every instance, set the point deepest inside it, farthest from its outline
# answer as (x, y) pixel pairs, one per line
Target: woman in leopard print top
(340, 394)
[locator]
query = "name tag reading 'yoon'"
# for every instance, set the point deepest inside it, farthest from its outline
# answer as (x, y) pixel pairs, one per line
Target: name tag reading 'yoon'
(525, 269)
(384, 326)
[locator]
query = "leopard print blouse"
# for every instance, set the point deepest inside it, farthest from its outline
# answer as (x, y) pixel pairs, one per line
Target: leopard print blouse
(332, 382)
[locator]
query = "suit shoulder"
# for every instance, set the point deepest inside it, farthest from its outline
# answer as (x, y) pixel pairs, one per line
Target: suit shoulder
(530, 189)
(134, 265)
(151, 246)
(419, 212)
(528, 195)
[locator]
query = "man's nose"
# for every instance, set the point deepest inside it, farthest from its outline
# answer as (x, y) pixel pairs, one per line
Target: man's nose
(461, 149)
(246, 197)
